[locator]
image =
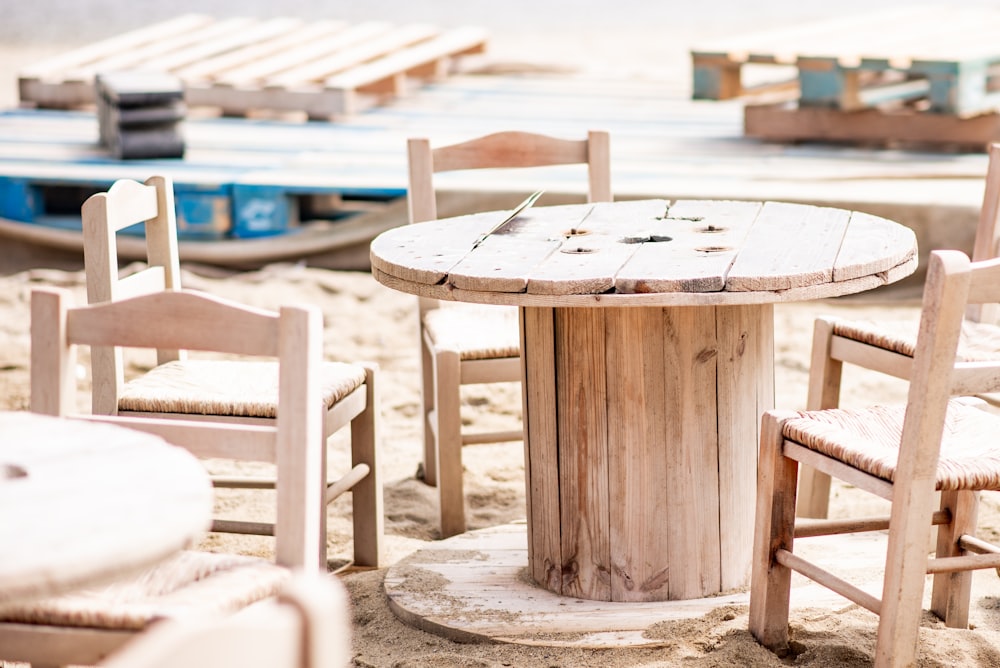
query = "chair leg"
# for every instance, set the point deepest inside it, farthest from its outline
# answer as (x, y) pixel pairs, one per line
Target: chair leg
(429, 467)
(447, 399)
(824, 392)
(905, 572)
(300, 488)
(770, 584)
(952, 592)
(366, 495)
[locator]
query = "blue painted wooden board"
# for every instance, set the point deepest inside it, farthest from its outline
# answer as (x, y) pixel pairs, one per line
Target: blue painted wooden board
(239, 188)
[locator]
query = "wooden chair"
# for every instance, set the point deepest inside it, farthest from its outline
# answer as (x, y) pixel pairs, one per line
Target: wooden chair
(221, 390)
(307, 626)
(463, 344)
(888, 347)
(902, 454)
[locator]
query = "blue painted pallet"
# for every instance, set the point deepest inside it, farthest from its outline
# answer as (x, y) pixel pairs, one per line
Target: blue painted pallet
(244, 186)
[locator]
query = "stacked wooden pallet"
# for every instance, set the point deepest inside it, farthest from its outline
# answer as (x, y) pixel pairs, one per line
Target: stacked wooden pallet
(323, 69)
(922, 74)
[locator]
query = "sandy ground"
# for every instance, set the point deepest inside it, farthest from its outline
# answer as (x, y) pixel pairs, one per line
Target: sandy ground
(366, 321)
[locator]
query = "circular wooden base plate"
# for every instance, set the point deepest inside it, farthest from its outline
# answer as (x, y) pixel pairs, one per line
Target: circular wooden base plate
(475, 588)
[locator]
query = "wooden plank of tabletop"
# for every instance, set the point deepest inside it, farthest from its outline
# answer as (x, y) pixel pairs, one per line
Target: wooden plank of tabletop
(592, 252)
(789, 246)
(867, 247)
(443, 244)
(703, 238)
(505, 259)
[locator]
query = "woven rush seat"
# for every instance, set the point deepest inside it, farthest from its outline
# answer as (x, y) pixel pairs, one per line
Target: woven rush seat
(978, 340)
(868, 439)
(225, 387)
(190, 583)
(475, 332)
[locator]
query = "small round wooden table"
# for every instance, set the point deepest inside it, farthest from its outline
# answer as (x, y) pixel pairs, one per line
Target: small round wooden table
(647, 359)
(85, 502)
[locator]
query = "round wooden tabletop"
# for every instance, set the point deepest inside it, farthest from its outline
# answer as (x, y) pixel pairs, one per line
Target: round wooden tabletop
(646, 252)
(84, 502)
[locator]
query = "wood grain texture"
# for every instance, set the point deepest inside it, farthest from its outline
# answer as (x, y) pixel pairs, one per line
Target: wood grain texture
(648, 252)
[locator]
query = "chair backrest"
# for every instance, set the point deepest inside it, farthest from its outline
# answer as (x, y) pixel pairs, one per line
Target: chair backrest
(196, 321)
(504, 150)
(987, 242)
(952, 283)
(308, 627)
(105, 214)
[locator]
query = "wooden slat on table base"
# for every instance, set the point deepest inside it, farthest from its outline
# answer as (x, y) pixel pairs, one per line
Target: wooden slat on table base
(541, 471)
(746, 352)
(582, 428)
(692, 439)
(638, 470)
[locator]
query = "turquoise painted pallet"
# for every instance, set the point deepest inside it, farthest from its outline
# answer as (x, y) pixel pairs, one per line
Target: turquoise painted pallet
(941, 59)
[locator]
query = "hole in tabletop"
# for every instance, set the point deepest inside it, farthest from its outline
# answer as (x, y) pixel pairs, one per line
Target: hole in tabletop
(713, 249)
(710, 229)
(641, 239)
(11, 471)
(578, 250)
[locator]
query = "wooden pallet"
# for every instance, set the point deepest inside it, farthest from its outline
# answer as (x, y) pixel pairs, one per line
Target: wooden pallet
(942, 58)
(323, 69)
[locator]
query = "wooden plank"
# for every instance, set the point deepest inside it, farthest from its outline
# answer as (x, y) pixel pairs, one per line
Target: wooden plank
(541, 457)
(759, 267)
(136, 57)
(529, 250)
(591, 254)
(269, 38)
(784, 44)
(206, 53)
(92, 52)
(787, 123)
(362, 51)
(638, 465)
(866, 247)
(745, 386)
(454, 239)
(582, 429)
(690, 352)
(313, 44)
(413, 59)
(690, 250)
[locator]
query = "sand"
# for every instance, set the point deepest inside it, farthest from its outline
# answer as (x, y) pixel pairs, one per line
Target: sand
(366, 321)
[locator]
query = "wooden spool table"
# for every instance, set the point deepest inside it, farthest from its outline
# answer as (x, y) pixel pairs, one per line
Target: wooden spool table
(647, 358)
(85, 503)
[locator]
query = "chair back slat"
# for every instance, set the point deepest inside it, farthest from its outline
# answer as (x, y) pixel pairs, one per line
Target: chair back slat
(127, 203)
(987, 242)
(505, 150)
(946, 293)
(195, 321)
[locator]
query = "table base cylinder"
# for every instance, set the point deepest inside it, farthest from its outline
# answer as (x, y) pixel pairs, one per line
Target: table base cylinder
(641, 431)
